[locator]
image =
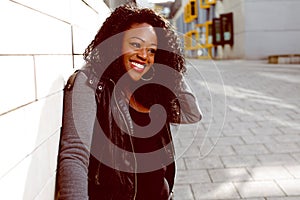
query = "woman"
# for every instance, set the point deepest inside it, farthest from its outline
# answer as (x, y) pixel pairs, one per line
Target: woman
(116, 141)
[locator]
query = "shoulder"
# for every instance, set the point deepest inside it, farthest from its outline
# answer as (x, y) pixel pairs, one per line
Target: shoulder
(76, 79)
(79, 95)
(84, 77)
(87, 80)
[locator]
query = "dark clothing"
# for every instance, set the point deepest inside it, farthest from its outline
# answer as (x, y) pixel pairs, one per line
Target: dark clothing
(101, 157)
(149, 186)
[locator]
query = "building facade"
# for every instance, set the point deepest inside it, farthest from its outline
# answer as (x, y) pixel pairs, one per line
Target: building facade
(258, 28)
(112, 4)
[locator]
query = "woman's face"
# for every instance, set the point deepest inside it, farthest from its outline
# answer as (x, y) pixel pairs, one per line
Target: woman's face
(138, 49)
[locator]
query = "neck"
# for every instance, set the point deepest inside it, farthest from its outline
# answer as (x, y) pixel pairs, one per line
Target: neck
(137, 105)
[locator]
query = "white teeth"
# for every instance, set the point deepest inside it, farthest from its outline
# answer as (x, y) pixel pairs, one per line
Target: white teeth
(138, 65)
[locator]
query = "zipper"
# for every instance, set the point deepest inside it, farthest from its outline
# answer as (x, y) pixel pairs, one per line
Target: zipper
(131, 142)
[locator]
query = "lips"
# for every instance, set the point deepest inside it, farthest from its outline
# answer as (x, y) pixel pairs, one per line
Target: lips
(138, 66)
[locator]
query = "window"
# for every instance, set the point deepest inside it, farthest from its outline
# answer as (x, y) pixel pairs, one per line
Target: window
(190, 11)
(227, 28)
(203, 4)
(222, 29)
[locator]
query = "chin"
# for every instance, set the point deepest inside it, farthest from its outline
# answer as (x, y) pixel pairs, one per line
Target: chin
(134, 78)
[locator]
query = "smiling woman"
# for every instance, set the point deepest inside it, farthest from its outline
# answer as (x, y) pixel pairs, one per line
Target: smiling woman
(116, 142)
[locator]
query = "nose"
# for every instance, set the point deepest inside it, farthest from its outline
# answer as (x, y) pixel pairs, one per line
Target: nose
(142, 53)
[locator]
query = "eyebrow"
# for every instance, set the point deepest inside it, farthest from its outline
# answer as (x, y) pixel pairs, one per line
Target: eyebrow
(134, 37)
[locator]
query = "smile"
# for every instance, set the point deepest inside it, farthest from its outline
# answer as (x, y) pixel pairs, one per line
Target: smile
(138, 67)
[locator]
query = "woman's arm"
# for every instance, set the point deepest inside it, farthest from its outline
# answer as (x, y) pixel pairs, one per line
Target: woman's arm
(77, 128)
(189, 108)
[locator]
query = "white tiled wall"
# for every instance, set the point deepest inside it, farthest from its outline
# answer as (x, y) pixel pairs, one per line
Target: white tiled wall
(30, 32)
(38, 40)
(51, 71)
(17, 82)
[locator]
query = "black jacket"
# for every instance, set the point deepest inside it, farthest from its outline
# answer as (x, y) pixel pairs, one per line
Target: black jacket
(99, 152)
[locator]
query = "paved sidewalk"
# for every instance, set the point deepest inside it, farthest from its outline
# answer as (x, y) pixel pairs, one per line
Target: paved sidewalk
(248, 144)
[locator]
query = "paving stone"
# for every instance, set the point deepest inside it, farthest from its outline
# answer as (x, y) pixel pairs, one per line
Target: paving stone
(234, 119)
(294, 116)
(176, 143)
(209, 162)
(180, 164)
(221, 118)
(283, 148)
(258, 189)
(213, 122)
(182, 133)
(257, 115)
(255, 199)
(237, 132)
(288, 138)
(192, 151)
(192, 176)
(186, 128)
(276, 159)
(270, 130)
(275, 121)
(215, 191)
(283, 117)
(229, 175)
(182, 192)
(250, 118)
(283, 111)
(258, 139)
(213, 131)
(242, 125)
(222, 151)
(284, 198)
(296, 156)
(294, 170)
(250, 149)
(195, 141)
(210, 149)
(223, 141)
(260, 136)
(240, 161)
(289, 130)
(266, 173)
(290, 187)
(259, 106)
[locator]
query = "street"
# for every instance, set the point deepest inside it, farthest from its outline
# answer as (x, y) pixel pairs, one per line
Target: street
(247, 146)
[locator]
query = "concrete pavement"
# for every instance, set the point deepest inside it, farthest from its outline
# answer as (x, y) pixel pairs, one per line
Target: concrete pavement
(248, 144)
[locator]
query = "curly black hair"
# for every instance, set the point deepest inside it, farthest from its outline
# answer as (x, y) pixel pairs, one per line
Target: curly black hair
(105, 49)
(105, 57)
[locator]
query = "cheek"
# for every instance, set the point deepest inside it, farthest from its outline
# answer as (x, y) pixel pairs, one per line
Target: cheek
(125, 59)
(152, 59)
(125, 49)
(126, 55)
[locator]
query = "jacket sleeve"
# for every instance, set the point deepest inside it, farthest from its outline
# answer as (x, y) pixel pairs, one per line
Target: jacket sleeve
(189, 108)
(77, 128)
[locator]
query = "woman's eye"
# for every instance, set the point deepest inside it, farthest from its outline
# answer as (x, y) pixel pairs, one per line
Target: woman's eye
(153, 51)
(135, 44)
